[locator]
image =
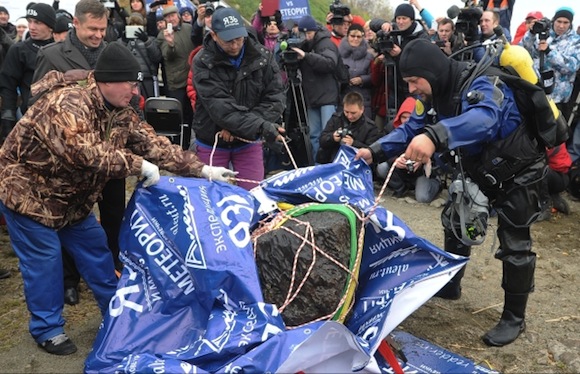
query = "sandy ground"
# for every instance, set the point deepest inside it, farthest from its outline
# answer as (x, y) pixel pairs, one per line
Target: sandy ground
(551, 343)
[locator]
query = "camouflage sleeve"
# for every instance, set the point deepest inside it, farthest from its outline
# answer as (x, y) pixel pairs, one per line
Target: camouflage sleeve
(158, 149)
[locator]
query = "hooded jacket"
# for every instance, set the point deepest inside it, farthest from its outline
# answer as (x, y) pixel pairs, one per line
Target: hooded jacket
(239, 100)
(59, 156)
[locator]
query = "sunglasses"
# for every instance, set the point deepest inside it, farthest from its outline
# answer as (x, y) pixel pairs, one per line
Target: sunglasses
(355, 36)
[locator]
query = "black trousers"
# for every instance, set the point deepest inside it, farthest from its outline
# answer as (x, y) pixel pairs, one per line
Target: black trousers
(111, 209)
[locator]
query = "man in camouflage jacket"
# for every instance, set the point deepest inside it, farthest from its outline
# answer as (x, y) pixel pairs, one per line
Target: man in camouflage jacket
(79, 134)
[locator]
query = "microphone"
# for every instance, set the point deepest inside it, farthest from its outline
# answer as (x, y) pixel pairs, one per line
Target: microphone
(453, 11)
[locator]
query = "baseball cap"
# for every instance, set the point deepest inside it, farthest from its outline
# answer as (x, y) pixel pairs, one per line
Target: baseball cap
(227, 24)
(535, 15)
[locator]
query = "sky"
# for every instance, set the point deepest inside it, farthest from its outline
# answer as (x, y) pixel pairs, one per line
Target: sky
(436, 8)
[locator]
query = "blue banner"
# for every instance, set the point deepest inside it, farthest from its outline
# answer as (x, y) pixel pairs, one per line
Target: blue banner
(294, 9)
(189, 298)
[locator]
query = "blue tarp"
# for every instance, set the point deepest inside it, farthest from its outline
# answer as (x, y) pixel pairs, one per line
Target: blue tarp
(189, 297)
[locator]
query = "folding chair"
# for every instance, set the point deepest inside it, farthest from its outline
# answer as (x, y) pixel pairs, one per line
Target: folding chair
(165, 114)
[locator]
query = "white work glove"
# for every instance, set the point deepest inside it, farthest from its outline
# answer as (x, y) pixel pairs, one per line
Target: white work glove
(217, 173)
(150, 173)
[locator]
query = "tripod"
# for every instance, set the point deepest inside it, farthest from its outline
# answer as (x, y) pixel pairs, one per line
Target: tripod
(391, 113)
(296, 117)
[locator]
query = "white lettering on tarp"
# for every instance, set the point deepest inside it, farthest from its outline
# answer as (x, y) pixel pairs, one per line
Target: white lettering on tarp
(385, 243)
(215, 226)
(194, 256)
(288, 177)
(353, 183)
(380, 302)
(371, 322)
(233, 212)
(168, 262)
(389, 224)
(120, 298)
(441, 354)
(294, 12)
(172, 212)
(232, 369)
(324, 189)
(229, 319)
(157, 366)
(390, 270)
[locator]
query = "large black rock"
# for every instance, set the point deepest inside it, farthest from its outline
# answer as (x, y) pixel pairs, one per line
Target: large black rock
(324, 288)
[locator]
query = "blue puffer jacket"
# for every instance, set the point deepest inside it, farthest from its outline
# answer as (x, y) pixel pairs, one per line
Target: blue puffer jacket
(563, 57)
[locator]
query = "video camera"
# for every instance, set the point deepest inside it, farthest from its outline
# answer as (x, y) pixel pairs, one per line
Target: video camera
(541, 28)
(339, 11)
(287, 42)
(468, 22)
(385, 42)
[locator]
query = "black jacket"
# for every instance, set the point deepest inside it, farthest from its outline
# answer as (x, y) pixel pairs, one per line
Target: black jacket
(238, 100)
(318, 66)
(17, 72)
(364, 132)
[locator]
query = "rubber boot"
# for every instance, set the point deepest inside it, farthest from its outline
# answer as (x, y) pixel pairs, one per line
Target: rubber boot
(452, 290)
(512, 322)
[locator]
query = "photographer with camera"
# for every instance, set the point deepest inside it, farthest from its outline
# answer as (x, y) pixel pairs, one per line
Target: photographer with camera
(558, 46)
(317, 59)
(338, 20)
(447, 38)
(350, 127)
(392, 39)
(202, 21)
(146, 51)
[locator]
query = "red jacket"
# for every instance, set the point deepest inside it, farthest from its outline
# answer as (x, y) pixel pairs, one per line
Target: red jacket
(190, 89)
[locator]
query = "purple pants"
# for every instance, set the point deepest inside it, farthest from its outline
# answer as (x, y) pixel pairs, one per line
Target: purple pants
(247, 160)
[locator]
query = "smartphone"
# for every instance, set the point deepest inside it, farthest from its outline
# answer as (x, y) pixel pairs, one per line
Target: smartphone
(170, 28)
(130, 31)
(109, 4)
(440, 43)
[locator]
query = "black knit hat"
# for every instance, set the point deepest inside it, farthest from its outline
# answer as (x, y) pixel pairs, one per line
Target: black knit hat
(117, 64)
(564, 12)
(63, 23)
(43, 13)
(4, 10)
(405, 10)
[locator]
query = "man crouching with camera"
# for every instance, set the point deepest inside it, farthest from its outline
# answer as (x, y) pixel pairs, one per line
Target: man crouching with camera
(350, 127)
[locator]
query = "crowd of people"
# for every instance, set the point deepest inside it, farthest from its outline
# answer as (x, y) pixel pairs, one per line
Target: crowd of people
(411, 97)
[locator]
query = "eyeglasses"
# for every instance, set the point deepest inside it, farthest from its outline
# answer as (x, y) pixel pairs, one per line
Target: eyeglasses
(133, 85)
(355, 36)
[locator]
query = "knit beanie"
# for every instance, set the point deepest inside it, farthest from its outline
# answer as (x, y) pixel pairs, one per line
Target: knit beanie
(43, 13)
(405, 10)
(565, 12)
(117, 64)
(4, 10)
(62, 24)
(307, 23)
